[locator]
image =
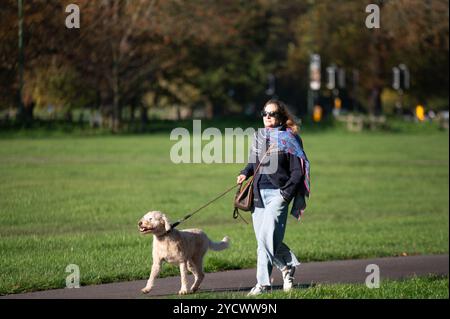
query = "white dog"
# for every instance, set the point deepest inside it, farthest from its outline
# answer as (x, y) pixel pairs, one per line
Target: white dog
(185, 248)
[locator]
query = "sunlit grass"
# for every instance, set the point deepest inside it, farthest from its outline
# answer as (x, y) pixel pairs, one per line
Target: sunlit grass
(77, 201)
(429, 287)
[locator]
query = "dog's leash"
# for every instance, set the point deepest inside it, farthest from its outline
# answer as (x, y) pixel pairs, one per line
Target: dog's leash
(236, 211)
(173, 225)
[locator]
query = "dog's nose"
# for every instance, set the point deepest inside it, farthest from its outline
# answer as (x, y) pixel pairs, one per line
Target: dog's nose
(140, 223)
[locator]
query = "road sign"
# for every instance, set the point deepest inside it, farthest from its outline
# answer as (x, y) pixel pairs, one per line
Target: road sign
(404, 76)
(396, 78)
(314, 72)
(331, 77)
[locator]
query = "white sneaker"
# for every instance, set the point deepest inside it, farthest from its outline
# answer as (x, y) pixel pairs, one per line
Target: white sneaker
(288, 278)
(257, 290)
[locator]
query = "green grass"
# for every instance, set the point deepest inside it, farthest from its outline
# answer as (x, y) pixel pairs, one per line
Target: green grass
(430, 287)
(76, 200)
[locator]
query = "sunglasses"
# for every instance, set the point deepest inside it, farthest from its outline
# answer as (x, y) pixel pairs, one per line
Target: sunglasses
(271, 114)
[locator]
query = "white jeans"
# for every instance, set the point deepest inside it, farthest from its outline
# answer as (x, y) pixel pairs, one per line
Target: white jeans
(269, 224)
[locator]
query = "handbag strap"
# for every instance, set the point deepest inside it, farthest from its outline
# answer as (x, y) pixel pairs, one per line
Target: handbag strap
(236, 210)
(260, 162)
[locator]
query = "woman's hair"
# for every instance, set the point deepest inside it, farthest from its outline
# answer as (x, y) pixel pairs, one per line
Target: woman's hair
(285, 117)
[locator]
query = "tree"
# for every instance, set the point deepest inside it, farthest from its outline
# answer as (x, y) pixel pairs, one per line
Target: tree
(412, 32)
(8, 55)
(421, 40)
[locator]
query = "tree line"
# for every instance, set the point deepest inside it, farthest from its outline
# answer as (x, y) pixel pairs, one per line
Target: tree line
(129, 56)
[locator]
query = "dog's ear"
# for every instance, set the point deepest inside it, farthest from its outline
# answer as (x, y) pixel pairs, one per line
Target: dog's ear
(166, 222)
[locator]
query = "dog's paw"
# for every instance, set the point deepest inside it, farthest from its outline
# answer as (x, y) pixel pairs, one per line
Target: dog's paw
(194, 289)
(184, 292)
(146, 290)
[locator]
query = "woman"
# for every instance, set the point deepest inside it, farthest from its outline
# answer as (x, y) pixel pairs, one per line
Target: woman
(282, 176)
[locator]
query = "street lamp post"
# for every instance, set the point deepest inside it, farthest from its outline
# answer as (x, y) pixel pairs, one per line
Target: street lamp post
(21, 60)
(270, 91)
(354, 91)
(314, 81)
(400, 83)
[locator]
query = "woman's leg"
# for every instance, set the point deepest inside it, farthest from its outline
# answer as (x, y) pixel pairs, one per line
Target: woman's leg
(269, 224)
(284, 257)
(263, 268)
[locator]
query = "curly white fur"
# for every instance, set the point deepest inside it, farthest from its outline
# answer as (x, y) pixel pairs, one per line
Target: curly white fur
(185, 248)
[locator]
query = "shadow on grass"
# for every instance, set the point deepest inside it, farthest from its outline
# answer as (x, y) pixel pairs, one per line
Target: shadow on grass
(247, 289)
(211, 293)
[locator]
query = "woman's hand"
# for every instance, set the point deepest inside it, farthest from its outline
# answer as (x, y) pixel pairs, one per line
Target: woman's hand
(241, 178)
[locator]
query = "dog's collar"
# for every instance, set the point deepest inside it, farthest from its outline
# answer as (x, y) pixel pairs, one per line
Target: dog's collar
(165, 234)
(172, 226)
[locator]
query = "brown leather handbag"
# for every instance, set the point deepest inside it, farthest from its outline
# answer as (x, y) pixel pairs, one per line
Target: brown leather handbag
(244, 195)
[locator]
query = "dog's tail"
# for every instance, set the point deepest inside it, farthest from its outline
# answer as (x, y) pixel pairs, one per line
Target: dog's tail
(224, 244)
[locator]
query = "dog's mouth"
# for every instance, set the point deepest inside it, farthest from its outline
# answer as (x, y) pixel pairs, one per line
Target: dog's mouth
(145, 230)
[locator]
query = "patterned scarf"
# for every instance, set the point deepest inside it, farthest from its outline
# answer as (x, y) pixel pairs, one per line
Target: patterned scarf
(285, 141)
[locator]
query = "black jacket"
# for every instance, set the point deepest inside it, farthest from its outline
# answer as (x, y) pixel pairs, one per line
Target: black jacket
(287, 177)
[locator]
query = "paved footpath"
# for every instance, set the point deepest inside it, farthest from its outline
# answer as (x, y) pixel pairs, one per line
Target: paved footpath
(345, 271)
